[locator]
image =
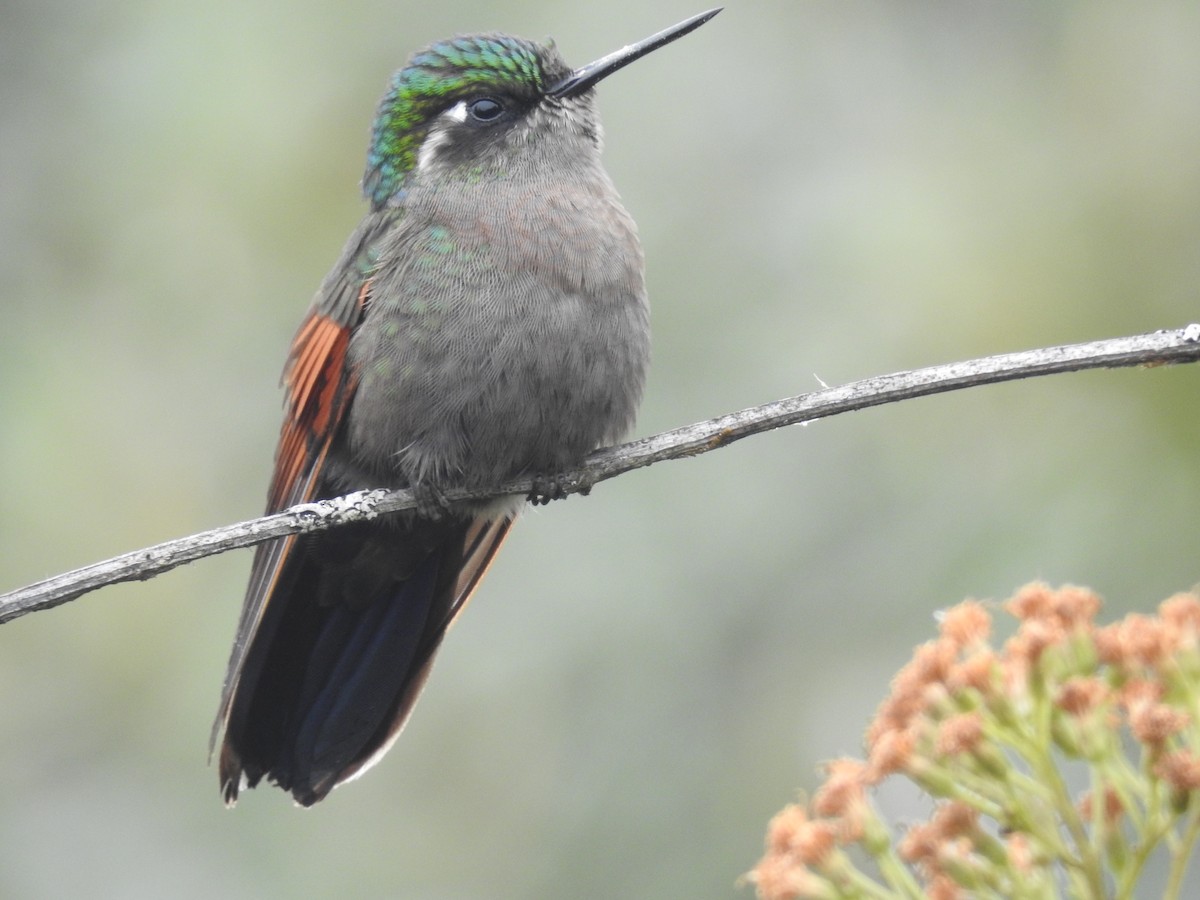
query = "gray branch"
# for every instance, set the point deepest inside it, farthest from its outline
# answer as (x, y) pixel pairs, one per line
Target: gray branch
(1160, 348)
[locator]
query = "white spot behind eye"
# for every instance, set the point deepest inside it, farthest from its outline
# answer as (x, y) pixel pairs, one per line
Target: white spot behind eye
(439, 134)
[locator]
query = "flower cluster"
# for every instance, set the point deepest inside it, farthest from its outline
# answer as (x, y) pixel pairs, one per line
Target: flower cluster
(987, 734)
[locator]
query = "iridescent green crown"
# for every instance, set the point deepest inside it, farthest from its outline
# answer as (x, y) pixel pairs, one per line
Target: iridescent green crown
(434, 80)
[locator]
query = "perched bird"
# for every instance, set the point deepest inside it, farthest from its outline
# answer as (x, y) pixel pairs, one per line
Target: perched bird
(486, 321)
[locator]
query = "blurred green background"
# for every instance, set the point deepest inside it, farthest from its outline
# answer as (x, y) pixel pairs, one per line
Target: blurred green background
(825, 190)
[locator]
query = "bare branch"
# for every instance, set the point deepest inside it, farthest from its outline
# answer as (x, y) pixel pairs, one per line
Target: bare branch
(1159, 348)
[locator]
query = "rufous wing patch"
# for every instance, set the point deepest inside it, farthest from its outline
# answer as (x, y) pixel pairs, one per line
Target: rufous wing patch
(318, 385)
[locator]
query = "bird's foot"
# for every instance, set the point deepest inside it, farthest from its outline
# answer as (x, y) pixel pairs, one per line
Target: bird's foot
(431, 502)
(557, 487)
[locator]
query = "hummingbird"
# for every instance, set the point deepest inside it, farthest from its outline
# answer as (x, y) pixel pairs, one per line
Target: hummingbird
(486, 321)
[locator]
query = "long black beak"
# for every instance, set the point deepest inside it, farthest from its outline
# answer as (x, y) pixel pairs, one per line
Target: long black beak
(582, 79)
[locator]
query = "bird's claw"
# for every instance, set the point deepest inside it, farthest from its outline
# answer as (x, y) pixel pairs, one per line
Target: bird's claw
(431, 502)
(557, 487)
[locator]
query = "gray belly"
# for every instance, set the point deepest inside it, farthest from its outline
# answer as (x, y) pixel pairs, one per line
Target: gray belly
(511, 353)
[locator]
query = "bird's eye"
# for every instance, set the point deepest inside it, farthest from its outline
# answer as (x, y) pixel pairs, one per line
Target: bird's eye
(485, 109)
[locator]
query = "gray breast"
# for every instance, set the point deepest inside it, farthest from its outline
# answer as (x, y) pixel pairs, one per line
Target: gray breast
(507, 334)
